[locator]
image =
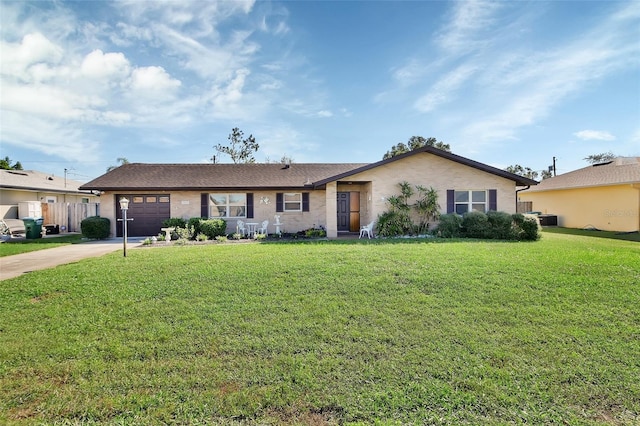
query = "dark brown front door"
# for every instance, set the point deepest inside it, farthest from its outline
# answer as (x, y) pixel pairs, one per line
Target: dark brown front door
(343, 211)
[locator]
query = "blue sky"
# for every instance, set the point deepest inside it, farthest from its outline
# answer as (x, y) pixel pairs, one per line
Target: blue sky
(84, 83)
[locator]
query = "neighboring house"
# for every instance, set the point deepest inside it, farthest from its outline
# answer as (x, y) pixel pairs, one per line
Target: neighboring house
(19, 186)
(603, 196)
(338, 197)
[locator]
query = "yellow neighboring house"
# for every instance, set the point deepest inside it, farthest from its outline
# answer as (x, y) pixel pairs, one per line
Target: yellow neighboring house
(602, 196)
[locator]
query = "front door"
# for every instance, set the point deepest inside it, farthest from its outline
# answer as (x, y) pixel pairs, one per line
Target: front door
(343, 211)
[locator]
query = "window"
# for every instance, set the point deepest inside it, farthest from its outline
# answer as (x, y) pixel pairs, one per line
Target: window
(84, 200)
(466, 201)
(227, 205)
(292, 202)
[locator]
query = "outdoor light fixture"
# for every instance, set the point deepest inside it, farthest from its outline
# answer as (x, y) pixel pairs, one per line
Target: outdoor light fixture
(124, 206)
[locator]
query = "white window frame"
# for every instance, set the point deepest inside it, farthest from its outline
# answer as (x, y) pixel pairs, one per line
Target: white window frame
(228, 204)
(293, 203)
(470, 203)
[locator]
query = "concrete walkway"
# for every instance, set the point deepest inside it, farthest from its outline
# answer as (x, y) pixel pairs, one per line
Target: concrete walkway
(16, 265)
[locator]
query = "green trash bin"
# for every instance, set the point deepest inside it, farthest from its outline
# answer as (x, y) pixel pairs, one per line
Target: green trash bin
(32, 228)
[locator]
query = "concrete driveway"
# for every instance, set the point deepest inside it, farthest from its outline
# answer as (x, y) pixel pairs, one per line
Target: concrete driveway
(13, 266)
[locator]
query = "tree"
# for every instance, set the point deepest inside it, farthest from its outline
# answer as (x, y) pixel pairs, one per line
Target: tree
(522, 171)
(285, 159)
(240, 150)
(600, 158)
(5, 164)
(415, 142)
(120, 160)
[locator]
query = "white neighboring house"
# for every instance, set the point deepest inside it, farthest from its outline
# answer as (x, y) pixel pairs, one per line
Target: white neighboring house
(19, 186)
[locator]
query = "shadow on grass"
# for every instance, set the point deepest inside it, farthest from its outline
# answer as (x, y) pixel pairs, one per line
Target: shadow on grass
(627, 236)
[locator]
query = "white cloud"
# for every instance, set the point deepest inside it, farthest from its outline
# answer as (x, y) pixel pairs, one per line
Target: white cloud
(325, 114)
(470, 18)
(101, 65)
(444, 89)
(599, 135)
(153, 80)
(34, 49)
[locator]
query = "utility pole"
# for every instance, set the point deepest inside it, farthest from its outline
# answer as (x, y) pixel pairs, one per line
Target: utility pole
(554, 166)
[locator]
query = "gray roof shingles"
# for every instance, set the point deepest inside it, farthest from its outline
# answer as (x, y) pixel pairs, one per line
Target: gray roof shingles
(31, 180)
(620, 171)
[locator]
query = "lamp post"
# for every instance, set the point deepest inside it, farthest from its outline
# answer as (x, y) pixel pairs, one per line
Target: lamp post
(124, 206)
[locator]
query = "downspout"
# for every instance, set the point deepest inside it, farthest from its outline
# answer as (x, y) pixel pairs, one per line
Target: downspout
(520, 190)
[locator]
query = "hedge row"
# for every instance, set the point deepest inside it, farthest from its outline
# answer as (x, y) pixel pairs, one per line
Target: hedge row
(492, 225)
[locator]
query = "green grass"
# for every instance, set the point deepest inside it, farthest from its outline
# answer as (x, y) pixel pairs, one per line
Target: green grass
(323, 333)
(15, 246)
(627, 236)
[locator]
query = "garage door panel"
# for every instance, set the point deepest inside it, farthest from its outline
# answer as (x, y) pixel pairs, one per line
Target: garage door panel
(148, 211)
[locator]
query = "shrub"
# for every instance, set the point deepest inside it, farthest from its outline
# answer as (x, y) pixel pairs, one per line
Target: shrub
(475, 225)
(525, 228)
(450, 226)
(213, 228)
(315, 233)
(96, 227)
(174, 222)
(201, 237)
(221, 238)
(394, 223)
(501, 226)
(184, 234)
(194, 223)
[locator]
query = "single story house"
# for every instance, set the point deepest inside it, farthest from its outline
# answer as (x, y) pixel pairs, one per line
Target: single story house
(30, 186)
(603, 196)
(338, 197)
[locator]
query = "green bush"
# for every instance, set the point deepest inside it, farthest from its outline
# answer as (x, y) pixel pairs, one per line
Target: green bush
(450, 226)
(174, 222)
(492, 225)
(194, 223)
(526, 228)
(475, 225)
(501, 226)
(213, 228)
(394, 223)
(96, 227)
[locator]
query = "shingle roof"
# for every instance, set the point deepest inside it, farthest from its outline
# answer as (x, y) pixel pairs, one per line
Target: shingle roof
(622, 170)
(157, 177)
(31, 180)
(135, 176)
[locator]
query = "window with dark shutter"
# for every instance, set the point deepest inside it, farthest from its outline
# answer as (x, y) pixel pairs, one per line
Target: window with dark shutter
(451, 201)
(493, 200)
(249, 205)
(204, 205)
(305, 201)
(279, 202)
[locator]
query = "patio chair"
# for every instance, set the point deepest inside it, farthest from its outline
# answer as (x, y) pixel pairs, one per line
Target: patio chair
(366, 229)
(263, 228)
(240, 228)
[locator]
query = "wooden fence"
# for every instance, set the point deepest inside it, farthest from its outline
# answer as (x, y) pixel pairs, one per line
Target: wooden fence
(524, 206)
(68, 215)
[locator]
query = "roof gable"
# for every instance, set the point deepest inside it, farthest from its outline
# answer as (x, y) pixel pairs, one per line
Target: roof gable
(519, 180)
(31, 180)
(620, 171)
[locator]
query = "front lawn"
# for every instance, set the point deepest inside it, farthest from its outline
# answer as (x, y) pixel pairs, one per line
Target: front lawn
(17, 246)
(322, 333)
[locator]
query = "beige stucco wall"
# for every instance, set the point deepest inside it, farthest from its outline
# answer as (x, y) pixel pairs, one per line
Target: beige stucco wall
(186, 204)
(427, 170)
(610, 208)
(9, 199)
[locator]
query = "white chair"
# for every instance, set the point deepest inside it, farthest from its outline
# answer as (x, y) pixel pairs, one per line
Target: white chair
(240, 228)
(263, 228)
(366, 229)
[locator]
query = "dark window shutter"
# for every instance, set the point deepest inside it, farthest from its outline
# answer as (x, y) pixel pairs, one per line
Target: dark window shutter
(451, 201)
(493, 200)
(249, 205)
(305, 201)
(204, 205)
(279, 202)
